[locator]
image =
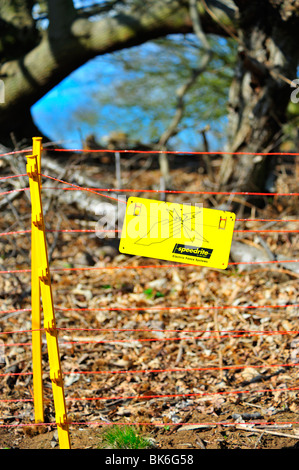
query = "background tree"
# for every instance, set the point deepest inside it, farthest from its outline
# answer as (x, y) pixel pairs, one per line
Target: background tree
(42, 42)
(141, 85)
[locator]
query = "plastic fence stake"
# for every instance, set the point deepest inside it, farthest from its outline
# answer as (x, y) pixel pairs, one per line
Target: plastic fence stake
(35, 294)
(37, 150)
(43, 273)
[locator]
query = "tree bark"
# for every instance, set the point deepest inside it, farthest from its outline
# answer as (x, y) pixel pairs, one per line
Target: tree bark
(18, 32)
(260, 91)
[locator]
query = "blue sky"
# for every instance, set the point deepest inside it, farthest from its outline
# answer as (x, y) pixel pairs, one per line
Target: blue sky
(54, 112)
(57, 113)
(77, 106)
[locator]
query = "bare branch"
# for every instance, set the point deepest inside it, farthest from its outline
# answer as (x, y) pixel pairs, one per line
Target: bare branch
(195, 73)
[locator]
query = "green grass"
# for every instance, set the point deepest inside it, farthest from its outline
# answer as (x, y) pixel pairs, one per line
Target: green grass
(125, 437)
(150, 293)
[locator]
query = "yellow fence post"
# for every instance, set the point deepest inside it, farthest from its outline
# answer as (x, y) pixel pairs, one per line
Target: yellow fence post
(35, 304)
(43, 273)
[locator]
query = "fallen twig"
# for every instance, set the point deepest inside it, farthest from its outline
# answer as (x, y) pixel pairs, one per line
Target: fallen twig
(245, 427)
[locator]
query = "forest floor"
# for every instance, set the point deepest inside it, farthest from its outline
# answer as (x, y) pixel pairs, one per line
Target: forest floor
(194, 357)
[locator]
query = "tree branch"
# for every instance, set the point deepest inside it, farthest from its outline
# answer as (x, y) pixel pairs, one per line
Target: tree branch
(32, 76)
(61, 14)
(18, 32)
(195, 73)
(183, 90)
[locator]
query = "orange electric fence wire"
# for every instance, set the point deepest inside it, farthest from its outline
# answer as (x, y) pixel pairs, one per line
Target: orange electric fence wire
(20, 232)
(13, 191)
(168, 265)
(95, 190)
(165, 330)
(156, 371)
(171, 423)
(15, 311)
(173, 152)
(155, 308)
(18, 271)
(164, 191)
(267, 220)
(76, 187)
(152, 371)
(160, 266)
(183, 307)
(175, 395)
(157, 152)
(12, 176)
(242, 334)
(231, 333)
(265, 231)
(163, 424)
(15, 152)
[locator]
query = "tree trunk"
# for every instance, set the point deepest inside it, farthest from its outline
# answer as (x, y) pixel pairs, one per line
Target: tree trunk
(260, 91)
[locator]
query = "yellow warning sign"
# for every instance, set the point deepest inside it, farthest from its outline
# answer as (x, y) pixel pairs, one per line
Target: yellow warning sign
(188, 234)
